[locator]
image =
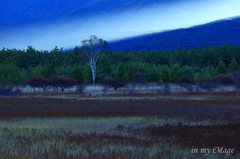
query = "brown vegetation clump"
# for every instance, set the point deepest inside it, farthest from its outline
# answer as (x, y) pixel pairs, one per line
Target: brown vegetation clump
(224, 79)
(38, 81)
(186, 79)
(114, 82)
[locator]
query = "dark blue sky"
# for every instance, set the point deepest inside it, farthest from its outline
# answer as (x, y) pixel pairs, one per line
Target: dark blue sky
(44, 24)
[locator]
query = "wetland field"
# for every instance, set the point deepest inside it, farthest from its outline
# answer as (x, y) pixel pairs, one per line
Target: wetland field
(121, 126)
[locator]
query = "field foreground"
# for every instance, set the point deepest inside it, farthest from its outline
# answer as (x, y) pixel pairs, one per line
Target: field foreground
(66, 125)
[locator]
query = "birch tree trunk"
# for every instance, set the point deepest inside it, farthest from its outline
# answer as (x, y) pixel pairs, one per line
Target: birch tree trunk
(92, 48)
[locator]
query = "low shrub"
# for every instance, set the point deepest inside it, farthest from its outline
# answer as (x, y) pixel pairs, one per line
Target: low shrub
(208, 86)
(102, 77)
(8, 91)
(236, 77)
(185, 78)
(80, 88)
(224, 79)
(166, 88)
(114, 82)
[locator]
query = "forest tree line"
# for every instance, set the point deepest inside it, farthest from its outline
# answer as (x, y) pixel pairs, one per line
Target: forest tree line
(18, 66)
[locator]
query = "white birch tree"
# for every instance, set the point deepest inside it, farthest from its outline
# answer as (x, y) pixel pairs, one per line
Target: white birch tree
(92, 49)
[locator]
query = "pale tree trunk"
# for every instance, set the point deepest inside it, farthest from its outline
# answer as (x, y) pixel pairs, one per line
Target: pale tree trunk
(93, 78)
(94, 74)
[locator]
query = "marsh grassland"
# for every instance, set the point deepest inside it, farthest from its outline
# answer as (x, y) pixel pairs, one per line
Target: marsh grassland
(121, 126)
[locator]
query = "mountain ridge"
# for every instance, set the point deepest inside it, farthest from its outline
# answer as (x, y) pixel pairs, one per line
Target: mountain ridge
(212, 33)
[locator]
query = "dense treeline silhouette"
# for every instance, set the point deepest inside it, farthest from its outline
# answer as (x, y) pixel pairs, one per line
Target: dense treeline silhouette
(18, 66)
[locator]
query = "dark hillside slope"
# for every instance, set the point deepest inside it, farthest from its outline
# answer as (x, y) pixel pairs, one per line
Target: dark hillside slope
(214, 33)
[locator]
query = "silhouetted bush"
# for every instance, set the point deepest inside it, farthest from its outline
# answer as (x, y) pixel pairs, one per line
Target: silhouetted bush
(62, 81)
(114, 82)
(38, 81)
(185, 78)
(224, 79)
(139, 77)
(101, 78)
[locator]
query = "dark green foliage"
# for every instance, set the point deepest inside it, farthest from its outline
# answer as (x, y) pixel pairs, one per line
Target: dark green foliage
(153, 75)
(130, 72)
(197, 77)
(177, 75)
(123, 64)
(120, 71)
(103, 66)
(77, 74)
(23, 79)
(221, 68)
(165, 74)
(3, 80)
(188, 70)
(141, 68)
(233, 66)
(174, 70)
(10, 60)
(38, 70)
(139, 77)
(48, 70)
(30, 72)
(12, 73)
(206, 78)
(125, 77)
(88, 74)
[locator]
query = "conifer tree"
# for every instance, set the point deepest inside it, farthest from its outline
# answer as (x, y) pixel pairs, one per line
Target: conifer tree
(66, 61)
(12, 70)
(121, 71)
(206, 78)
(197, 77)
(10, 60)
(153, 75)
(125, 77)
(141, 68)
(88, 74)
(233, 66)
(10, 79)
(175, 69)
(77, 74)
(221, 68)
(104, 66)
(39, 70)
(165, 74)
(3, 80)
(130, 72)
(177, 75)
(47, 71)
(68, 71)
